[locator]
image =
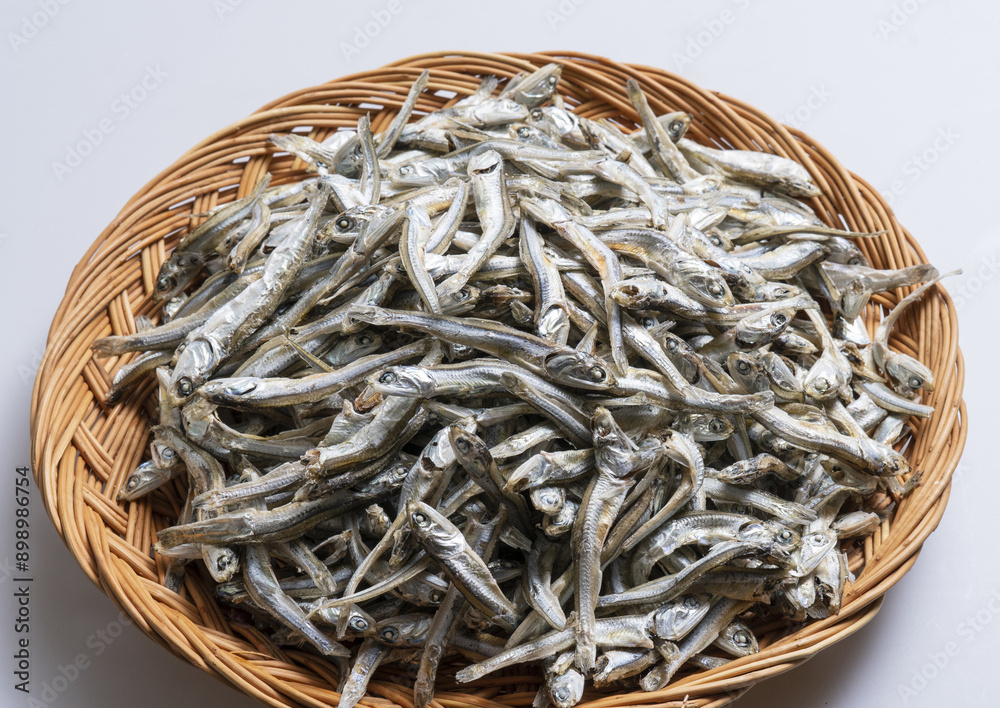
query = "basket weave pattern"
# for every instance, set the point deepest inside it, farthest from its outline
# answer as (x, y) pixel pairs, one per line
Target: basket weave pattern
(82, 451)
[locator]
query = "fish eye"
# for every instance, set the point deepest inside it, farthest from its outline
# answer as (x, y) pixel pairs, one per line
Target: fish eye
(778, 319)
(133, 482)
(405, 170)
(785, 536)
(561, 694)
(223, 562)
(743, 367)
(715, 425)
(463, 295)
(552, 80)
(821, 384)
(596, 373)
(388, 377)
(671, 345)
(715, 289)
(185, 386)
(365, 339)
(716, 241)
(167, 453)
(389, 634)
(691, 603)
(675, 126)
(741, 639)
(856, 260)
(647, 322)
(915, 382)
(163, 283)
(345, 223)
(537, 114)
(524, 132)
(420, 519)
(359, 624)
(463, 445)
(817, 539)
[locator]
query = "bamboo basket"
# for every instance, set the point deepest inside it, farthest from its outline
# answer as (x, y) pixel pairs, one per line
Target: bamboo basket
(82, 451)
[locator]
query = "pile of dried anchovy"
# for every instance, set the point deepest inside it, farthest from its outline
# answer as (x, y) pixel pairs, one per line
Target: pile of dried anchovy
(506, 383)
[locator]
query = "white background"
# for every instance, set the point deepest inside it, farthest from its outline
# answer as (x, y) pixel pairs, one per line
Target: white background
(876, 82)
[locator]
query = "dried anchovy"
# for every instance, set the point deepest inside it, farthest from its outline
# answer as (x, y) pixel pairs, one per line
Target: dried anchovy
(508, 384)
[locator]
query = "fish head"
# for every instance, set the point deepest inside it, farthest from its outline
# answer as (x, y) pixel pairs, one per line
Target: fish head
(814, 546)
(361, 344)
(639, 292)
(403, 381)
(470, 451)
(143, 479)
(461, 301)
(793, 344)
(530, 473)
(566, 689)
(884, 460)
(707, 427)
(748, 372)
(407, 630)
(548, 500)
(676, 124)
(579, 370)
(770, 291)
(427, 523)
(420, 173)
(910, 374)
(198, 359)
(175, 274)
(779, 372)
(164, 455)
(546, 211)
(676, 619)
(221, 563)
(359, 622)
(681, 354)
(498, 111)
(762, 327)
(555, 122)
(708, 287)
(784, 541)
(737, 639)
(561, 523)
(822, 381)
(487, 162)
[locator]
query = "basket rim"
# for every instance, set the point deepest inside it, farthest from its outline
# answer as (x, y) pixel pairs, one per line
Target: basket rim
(64, 398)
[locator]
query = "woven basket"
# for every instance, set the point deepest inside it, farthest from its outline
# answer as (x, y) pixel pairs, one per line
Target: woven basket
(82, 451)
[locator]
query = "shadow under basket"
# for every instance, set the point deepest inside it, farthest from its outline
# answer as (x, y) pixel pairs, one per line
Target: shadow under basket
(83, 451)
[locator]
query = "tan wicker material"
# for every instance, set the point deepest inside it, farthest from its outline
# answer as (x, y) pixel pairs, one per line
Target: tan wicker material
(82, 451)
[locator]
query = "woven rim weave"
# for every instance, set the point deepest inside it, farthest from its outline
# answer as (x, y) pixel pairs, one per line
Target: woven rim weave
(82, 451)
